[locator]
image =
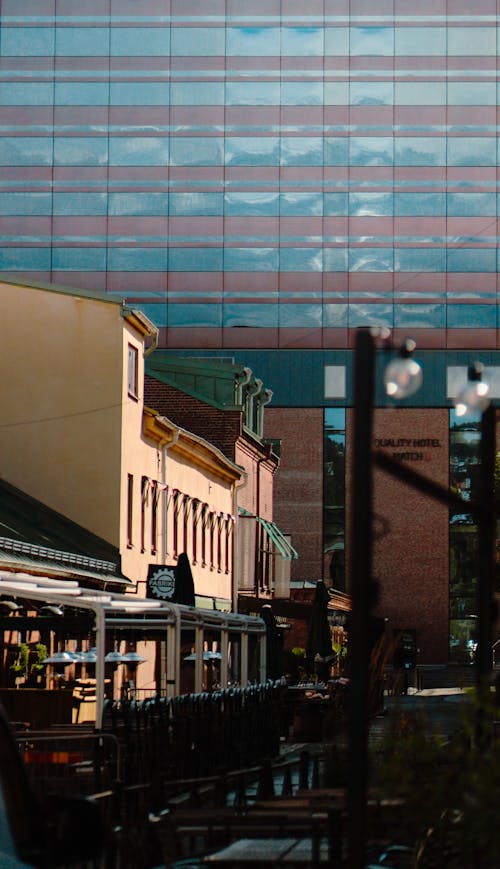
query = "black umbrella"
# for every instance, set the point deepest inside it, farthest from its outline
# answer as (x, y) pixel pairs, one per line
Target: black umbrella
(319, 639)
(184, 581)
(274, 665)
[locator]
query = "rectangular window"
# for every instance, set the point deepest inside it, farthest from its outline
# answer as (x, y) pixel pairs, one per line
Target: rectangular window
(334, 496)
(155, 492)
(194, 530)
(133, 371)
(144, 501)
(130, 508)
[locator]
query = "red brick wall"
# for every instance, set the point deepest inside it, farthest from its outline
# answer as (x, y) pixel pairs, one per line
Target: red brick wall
(219, 427)
(298, 484)
(410, 557)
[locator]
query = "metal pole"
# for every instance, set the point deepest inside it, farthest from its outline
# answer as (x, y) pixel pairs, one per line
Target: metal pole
(360, 554)
(486, 547)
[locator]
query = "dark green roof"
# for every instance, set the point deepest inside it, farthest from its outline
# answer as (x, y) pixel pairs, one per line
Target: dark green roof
(210, 380)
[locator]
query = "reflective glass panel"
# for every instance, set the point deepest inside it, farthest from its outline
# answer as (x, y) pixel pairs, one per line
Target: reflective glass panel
(370, 204)
(411, 259)
(336, 93)
(297, 41)
(194, 41)
(195, 259)
(76, 93)
(370, 151)
(420, 40)
(252, 151)
(82, 41)
(250, 315)
(302, 93)
(471, 151)
(293, 259)
(471, 316)
(82, 259)
(80, 203)
(200, 93)
(130, 41)
(370, 259)
(25, 203)
(370, 315)
(251, 203)
(335, 316)
(25, 151)
(80, 151)
(420, 93)
(194, 315)
(301, 151)
(472, 204)
(292, 204)
(300, 316)
(334, 442)
(420, 203)
(248, 93)
(336, 150)
(471, 93)
(335, 259)
(203, 203)
(194, 151)
(140, 259)
(337, 41)
(27, 41)
(138, 151)
(13, 259)
(238, 259)
(472, 260)
(372, 40)
(336, 203)
(253, 41)
(424, 316)
(372, 93)
(472, 41)
(154, 204)
(139, 93)
(26, 93)
(420, 151)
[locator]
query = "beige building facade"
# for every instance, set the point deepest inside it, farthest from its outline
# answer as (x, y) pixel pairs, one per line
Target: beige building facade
(77, 436)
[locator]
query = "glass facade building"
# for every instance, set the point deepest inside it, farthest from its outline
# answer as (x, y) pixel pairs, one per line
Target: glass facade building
(229, 165)
(263, 178)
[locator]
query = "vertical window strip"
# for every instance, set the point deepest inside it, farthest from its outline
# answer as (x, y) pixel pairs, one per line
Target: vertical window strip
(144, 501)
(155, 492)
(229, 538)
(194, 529)
(175, 536)
(204, 521)
(133, 371)
(130, 509)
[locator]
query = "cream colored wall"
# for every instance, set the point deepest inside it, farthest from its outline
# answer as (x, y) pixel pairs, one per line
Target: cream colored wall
(61, 399)
(143, 458)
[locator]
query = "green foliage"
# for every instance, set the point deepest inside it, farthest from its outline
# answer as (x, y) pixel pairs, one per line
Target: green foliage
(21, 664)
(38, 666)
(29, 660)
(448, 788)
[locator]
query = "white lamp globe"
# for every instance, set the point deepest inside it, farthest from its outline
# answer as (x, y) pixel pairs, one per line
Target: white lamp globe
(403, 376)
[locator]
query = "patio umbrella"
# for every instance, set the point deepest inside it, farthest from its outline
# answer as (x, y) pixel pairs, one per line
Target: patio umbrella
(184, 581)
(319, 639)
(274, 667)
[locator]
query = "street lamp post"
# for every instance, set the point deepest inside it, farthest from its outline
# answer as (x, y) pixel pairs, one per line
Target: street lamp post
(400, 382)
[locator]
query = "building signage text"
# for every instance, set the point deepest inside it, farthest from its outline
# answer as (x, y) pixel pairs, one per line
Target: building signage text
(408, 449)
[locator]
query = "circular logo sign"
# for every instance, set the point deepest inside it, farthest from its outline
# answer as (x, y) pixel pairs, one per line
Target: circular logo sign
(162, 583)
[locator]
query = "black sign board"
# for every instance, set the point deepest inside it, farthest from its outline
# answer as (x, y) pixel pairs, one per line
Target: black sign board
(162, 582)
